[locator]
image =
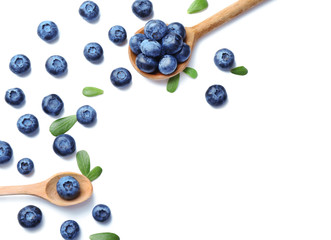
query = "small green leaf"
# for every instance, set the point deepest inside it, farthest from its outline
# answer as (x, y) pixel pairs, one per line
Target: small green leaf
(173, 83)
(94, 173)
(83, 162)
(104, 236)
(191, 72)
(62, 125)
(92, 91)
(239, 70)
(197, 6)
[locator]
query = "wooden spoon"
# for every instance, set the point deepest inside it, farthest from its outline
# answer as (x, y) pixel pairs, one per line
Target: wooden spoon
(197, 31)
(47, 189)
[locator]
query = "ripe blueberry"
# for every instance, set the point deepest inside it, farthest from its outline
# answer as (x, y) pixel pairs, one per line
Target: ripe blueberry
(29, 216)
(47, 31)
(52, 104)
(68, 188)
(93, 52)
(14, 96)
(183, 54)
(86, 115)
(178, 28)
(155, 29)
(146, 64)
(27, 124)
(6, 152)
(89, 11)
(216, 95)
(64, 145)
(101, 212)
(120, 77)
(56, 65)
(224, 59)
(172, 43)
(117, 34)
(167, 64)
(150, 48)
(142, 8)
(135, 42)
(19, 64)
(25, 166)
(69, 229)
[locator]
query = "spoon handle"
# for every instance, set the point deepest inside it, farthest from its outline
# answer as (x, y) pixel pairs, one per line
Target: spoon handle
(32, 189)
(224, 16)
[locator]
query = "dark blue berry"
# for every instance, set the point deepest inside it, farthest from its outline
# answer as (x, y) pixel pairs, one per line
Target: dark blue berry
(135, 42)
(19, 64)
(101, 212)
(93, 52)
(150, 48)
(56, 65)
(25, 166)
(64, 145)
(224, 59)
(167, 64)
(183, 54)
(14, 96)
(52, 104)
(6, 152)
(155, 29)
(68, 188)
(89, 11)
(172, 43)
(120, 77)
(117, 34)
(47, 31)
(216, 95)
(142, 8)
(177, 28)
(146, 64)
(69, 229)
(86, 115)
(29, 216)
(27, 124)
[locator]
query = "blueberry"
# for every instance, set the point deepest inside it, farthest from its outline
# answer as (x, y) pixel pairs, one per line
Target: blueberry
(155, 29)
(120, 77)
(150, 48)
(216, 95)
(64, 145)
(142, 8)
(6, 152)
(101, 212)
(86, 115)
(146, 64)
(93, 52)
(52, 104)
(224, 59)
(172, 43)
(178, 28)
(47, 30)
(27, 124)
(14, 96)
(68, 188)
(56, 65)
(19, 64)
(89, 11)
(167, 64)
(29, 216)
(135, 42)
(183, 54)
(25, 166)
(117, 34)
(69, 229)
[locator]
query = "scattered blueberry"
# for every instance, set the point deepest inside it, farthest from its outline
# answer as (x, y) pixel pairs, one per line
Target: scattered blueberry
(93, 52)
(117, 34)
(216, 95)
(29, 216)
(52, 104)
(135, 42)
(86, 115)
(120, 77)
(68, 188)
(47, 30)
(155, 29)
(6, 152)
(172, 43)
(64, 145)
(146, 64)
(25, 166)
(183, 54)
(150, 48)
(89, 11)
(56, 65)
(178, 28)
(19, 64)
(27, 123)
(224, 59)
(69, 229)
(101, 212)
(14, 96)
(167, 64)
(142, 8)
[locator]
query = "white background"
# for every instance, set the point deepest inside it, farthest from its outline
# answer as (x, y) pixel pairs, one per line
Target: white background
(175, 167)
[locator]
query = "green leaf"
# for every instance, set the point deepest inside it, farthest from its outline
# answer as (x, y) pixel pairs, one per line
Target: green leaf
(191, 72)
(239, 70)
(197, 6)
(173, 83)
(83, 162)
(104, 236)
(92, 91)
(62, 125)
(94, 173)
